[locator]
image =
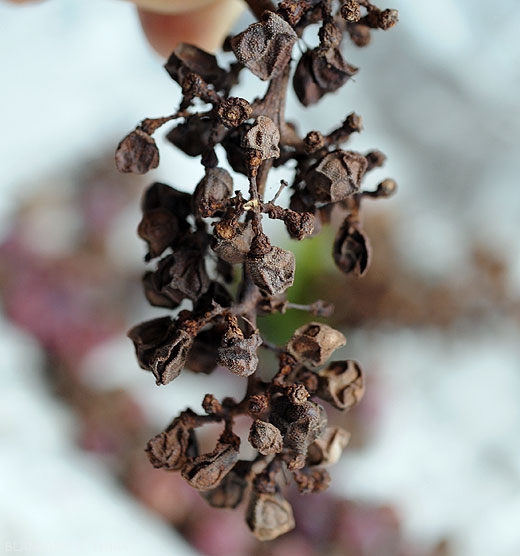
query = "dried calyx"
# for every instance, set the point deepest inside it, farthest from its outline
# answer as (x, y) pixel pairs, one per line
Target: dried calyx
(205, 240)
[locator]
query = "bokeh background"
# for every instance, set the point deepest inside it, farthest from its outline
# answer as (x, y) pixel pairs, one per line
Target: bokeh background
(434, 465)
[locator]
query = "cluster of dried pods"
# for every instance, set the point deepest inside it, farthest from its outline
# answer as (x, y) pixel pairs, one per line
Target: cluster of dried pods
(206, 236)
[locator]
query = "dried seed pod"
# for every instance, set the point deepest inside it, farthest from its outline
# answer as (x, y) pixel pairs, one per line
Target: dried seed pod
(313, 343)
(341, 384)
(272, 272)
(229, 493)
(351, 249)
(186, 59)
(232, 241)
(159, 228)
(320, 71)
(265, 47)
(269, 515)
(263, 137)
(204, 472)
(327, 449)
(214, 187)
(336, 176)
(265, 437)
(169, 449)
(237, 352)
(137, 153)
(234, 111)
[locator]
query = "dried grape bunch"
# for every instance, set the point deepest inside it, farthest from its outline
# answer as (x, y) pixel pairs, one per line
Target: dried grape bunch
(205, 240)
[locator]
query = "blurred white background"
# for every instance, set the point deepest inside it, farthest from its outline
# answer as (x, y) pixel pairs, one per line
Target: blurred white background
(439, 94)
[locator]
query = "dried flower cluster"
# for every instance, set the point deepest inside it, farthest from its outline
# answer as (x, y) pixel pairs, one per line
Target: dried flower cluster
(204, 239)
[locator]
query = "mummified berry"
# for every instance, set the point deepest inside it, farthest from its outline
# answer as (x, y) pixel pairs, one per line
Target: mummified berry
(327, 449)
(269, 515)
(351, 248)
(274, 271)
(336, 176)
(159, 228)
(313, 343)
(237, 352)
(265, 437)
(341, 383)
(214, 187)
(263, 137)
(234, 111)
(188, 59)
(169, 449)
(205, 472)
(161, 347)
(265, 47)
(311, 480)
(320, 71)
(137, 153)
(351, 11)
(231, 242)
(229, 493)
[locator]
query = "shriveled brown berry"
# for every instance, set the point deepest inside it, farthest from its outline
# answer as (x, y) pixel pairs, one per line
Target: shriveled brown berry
(336, 176)
(137, 153)
(234, 111)
(265, 47)
(232, 241)
(274, 271)
(263, 137)
(161, 347)
(351, 11)
(320, 71)
(159, 228)
(327, 449)
(269, 516)
(229, 493)
(169, 448)
(237, 352)
(341, 383)
(265, 437)
(187, 58)
(311, 480)
(214, 187)
(313, 343)
(351, 249)
(206, 471)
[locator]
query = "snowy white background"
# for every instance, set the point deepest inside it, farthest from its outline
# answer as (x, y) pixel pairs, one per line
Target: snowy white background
(440, 96)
